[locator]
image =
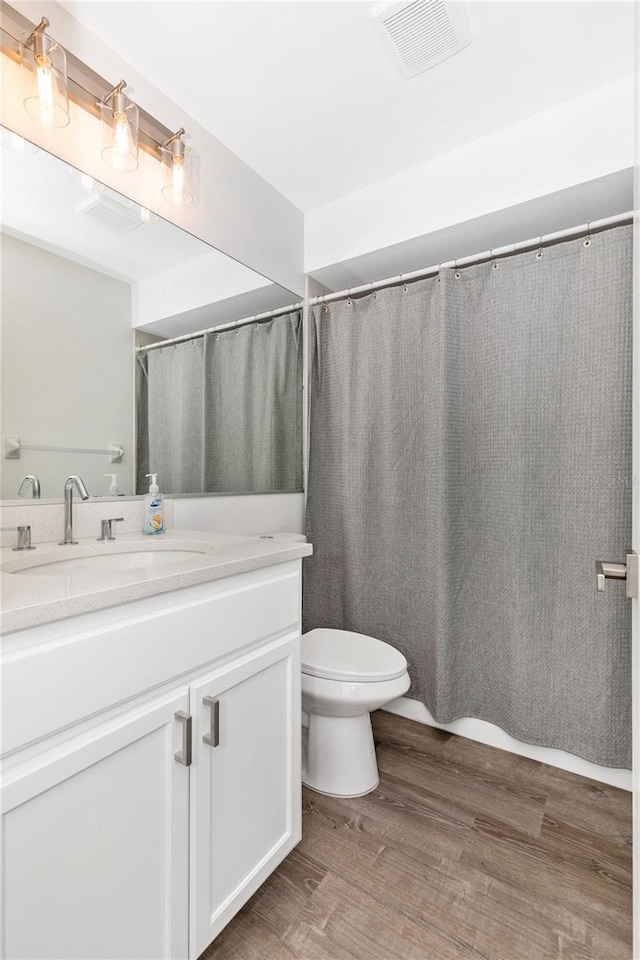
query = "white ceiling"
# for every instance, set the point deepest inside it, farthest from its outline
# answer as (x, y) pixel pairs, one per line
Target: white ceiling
(305, 94)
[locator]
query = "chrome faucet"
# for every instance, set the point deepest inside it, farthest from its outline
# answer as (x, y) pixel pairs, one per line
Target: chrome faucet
(69, 484)
(35, 486)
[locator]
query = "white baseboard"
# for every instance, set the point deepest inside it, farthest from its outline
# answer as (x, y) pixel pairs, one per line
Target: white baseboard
(493, 736)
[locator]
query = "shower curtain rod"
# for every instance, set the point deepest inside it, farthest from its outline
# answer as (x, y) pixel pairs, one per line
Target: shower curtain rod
(591, 227)
(222, 327)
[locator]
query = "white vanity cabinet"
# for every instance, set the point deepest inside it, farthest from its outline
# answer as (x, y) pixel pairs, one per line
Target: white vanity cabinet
(95, 855)
(244, 799)
(137, 830)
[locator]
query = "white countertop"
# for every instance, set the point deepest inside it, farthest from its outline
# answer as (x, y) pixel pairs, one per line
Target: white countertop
(29, 600)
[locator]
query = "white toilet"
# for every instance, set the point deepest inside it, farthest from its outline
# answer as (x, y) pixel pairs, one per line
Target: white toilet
(344, 677)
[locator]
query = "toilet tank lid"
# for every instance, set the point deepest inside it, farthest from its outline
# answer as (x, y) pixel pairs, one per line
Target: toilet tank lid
(343, 655)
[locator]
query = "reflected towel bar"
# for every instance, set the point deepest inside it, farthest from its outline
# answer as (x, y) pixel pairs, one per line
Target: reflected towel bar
(12, 447)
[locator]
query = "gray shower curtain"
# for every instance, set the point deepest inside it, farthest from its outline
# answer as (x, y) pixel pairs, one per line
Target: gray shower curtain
(470, 459)
(223, 413)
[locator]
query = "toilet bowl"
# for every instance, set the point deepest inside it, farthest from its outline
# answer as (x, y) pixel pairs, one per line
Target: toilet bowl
(344, 677)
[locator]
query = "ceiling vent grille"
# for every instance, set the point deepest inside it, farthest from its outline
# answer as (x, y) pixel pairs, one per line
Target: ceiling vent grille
(114, 215)
(419, 34)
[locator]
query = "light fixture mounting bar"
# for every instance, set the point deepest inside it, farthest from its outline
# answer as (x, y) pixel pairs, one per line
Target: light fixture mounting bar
(86, 87)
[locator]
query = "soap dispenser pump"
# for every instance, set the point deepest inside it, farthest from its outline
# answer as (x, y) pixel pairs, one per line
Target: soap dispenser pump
(153, 508)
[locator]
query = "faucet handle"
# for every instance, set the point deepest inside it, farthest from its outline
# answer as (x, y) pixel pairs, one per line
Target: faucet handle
(105, 528)
(24, 539)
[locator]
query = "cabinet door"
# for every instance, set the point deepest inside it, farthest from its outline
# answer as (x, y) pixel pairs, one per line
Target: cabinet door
(95, 843)
(245, 787)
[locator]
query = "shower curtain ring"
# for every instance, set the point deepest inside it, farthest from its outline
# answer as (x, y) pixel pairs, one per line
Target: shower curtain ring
(349, 300)
(540, 253)
(455, 267)
(494, 264)
(587, 239)
(403, 282)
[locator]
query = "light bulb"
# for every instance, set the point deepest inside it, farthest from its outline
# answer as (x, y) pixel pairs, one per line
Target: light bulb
(120, 130)
(177, 178)
(45, 90)
(122, 145)
(177, 157)
(45, 78)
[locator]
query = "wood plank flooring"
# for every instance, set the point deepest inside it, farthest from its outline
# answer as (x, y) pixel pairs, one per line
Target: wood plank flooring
(464, 852)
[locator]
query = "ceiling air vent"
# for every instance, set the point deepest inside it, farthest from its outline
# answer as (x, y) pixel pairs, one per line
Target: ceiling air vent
(116, 215)
(419, 34)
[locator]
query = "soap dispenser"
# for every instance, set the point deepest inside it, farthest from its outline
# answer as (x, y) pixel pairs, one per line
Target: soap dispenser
(114, 489)
(153, 508)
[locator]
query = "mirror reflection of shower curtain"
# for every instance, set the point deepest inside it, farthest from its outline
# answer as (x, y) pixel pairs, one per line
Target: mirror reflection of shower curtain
(223, 413)
(470, 459)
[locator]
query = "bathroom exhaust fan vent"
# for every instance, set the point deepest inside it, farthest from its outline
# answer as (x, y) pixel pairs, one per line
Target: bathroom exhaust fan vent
(419, 34)
(114, 215)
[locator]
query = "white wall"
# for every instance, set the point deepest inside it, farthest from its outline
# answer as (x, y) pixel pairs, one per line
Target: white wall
(187, 286)
(67, 373)
(604, 197)
(578, 141)
(237, 211)
(247, 515)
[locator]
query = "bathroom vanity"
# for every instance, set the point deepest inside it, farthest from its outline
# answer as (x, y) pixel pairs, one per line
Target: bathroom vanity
(150, 740)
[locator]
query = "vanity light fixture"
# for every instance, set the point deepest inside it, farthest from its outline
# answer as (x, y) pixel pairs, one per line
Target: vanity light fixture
(177, 159)
(51, 77)
(46, 97)
(120, 129)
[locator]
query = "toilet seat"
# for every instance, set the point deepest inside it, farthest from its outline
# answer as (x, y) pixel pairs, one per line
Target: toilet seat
(351, 657)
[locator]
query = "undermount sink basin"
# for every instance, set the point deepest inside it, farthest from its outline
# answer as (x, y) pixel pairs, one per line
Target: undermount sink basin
(111, 563)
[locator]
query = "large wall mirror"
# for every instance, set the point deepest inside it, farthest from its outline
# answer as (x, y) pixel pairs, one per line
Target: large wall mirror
(92, 288)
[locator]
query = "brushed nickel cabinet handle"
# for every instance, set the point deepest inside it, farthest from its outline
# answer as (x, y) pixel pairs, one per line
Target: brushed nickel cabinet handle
(212, 739)
(184, 756)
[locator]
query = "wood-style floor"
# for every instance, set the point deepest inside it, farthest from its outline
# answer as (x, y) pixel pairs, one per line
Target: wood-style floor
(463, 851)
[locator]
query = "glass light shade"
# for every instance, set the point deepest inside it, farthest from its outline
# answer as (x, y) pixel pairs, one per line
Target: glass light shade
(11, 141)
(120, 132)
(85, 182)
(178, 188)
(45, 77)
